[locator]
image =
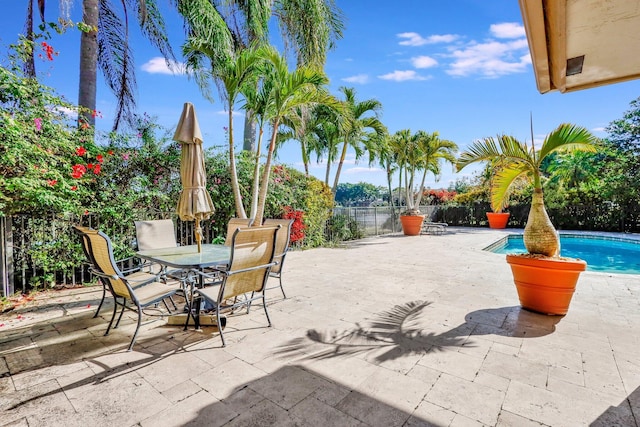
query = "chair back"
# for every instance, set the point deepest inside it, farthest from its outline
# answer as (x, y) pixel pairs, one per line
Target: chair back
(102, 254)
(233, 225)
(82, 231)
(282, 241)
(155, 234)
(252, 251)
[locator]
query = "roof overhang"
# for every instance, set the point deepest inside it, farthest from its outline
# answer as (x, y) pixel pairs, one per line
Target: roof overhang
(579, 44)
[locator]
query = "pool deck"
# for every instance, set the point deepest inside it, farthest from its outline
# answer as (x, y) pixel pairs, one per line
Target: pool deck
(388, 331)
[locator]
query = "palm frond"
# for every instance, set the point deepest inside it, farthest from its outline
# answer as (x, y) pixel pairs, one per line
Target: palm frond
(154, 29)
(502, 181)
(115, 59)
(568, 137)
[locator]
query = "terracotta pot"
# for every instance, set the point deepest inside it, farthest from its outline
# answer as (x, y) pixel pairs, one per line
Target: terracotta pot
(498, 219)
(545, 285)
(411, 224)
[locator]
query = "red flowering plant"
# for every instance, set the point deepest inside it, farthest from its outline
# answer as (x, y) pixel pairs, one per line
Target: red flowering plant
(38, 153)
(298, 226)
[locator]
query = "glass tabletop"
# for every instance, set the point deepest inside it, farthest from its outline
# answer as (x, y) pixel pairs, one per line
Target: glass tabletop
(188, 256)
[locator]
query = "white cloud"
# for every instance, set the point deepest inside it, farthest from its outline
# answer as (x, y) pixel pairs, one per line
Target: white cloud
(226, 113)
(361, 169)
(69, 112)
(490, 59)
(599, 129)
(423, 62)
(507, 30)
(158, 65)
(401, 76)
(415, 39)
(359, 78)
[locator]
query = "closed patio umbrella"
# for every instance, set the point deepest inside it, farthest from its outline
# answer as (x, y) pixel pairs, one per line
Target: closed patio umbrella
(195, 203)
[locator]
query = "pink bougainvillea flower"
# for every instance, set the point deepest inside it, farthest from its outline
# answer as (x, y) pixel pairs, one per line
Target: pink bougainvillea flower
(84, 125)
(52, 182)
(86, 212)
(110, 152)
(74, 187)
(81, 151)
(125, 156)
(100, 158)
(96, 169)
(38, 122)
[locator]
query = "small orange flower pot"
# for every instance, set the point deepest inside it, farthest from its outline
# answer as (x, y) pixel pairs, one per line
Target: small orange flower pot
(545, 285)
(498, 219)
(411, 224)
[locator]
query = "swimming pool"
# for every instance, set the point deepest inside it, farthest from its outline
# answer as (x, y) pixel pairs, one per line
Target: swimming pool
(604, 254)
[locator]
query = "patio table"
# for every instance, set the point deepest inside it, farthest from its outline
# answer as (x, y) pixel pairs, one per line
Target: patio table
(187, 258)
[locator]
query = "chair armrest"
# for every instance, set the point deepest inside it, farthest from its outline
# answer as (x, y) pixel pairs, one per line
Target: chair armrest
(244, 270)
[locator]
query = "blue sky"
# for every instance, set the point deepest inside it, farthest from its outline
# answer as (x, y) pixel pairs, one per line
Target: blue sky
(461, 68)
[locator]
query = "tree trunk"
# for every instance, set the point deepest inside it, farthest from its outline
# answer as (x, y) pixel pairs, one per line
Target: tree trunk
(540, 236)
(249, 132)
(235, 187)
(336, 179)
(88, 64)
(264, 185)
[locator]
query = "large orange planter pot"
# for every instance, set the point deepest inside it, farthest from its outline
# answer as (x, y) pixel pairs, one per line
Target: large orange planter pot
(498, 219)
(411, 224)
(545, 285)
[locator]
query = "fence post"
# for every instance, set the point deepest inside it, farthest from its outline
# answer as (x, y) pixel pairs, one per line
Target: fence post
(6, 256)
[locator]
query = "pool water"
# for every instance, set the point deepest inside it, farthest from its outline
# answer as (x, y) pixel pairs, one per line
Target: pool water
(605, 254)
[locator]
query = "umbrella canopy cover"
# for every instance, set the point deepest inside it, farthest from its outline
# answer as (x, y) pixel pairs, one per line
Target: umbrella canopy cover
(195, 202)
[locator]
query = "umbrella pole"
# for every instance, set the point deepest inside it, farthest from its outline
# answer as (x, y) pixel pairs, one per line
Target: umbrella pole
(198, 234)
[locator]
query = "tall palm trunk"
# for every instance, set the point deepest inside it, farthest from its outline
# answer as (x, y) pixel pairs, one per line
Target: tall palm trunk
(540, 237)
(265, 175)
(336, 179)
(235, 187)
(250, 128)
(88, 64)
(256, 177)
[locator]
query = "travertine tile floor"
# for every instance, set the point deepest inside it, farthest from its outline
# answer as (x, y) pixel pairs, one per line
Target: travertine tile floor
(391, 331)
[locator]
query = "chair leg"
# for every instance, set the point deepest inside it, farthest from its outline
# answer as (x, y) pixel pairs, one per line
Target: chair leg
(135, 334)
(249, 303)
(124, 303)
(264, 303)
(220, 326)
(113, 316)
(104, 293)
(281, 288)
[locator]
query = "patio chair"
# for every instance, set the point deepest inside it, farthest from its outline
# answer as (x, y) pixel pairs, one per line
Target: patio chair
(252, 251)
(282, 247)
(140, 294)
(157, 234)
(429, 227)
(233, 225)
(134, 273)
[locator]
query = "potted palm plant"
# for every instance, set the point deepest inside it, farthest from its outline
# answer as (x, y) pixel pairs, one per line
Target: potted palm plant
(545, 281)
(421, 152)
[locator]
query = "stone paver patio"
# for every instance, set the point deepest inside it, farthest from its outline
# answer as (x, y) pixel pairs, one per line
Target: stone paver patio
(391, 331)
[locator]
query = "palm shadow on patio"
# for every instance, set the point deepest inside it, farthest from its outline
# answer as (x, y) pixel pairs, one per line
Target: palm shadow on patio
(406, 330)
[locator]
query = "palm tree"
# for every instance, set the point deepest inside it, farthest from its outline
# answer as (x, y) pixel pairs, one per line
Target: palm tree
(309, 28)
(360, 122)
(231, 74)
(286, 92)
(104, 44)
(515, 160)
(421, 152)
